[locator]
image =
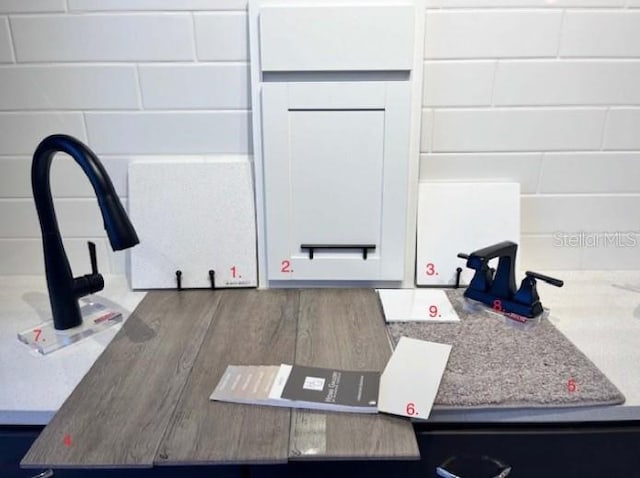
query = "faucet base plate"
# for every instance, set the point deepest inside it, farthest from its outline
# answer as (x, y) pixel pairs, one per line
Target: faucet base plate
(45, 339)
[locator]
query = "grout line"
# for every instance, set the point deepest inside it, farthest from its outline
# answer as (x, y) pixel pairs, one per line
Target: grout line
(194, 40)
(496, 65)
(560, 33)
(139, 87)
(543, 160)
(12, 43)
(604, 128)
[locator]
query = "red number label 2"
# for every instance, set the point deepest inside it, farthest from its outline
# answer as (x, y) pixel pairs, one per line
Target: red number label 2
(286, 266)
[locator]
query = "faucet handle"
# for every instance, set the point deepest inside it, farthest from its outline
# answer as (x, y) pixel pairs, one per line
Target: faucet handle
(93, 257)
(547, 279)
(89, 283)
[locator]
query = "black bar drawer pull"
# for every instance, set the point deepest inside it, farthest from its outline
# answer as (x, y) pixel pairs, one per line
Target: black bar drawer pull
(364, 247)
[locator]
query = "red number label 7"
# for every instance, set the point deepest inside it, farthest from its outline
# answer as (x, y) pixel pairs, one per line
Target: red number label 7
(37, 333)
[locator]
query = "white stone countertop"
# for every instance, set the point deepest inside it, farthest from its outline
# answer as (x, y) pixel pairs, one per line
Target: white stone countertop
(598, 311)
(34, 386)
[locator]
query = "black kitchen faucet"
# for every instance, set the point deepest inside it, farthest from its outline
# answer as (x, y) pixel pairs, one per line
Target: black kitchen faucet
(64, 289)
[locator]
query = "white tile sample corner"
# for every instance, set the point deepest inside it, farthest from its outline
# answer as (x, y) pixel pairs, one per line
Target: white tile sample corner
(462, 217)
(417, 305)
(491, 33)
(618, 33)
(410, 381)
(104, 37)
(222, 36)
(36, 87)
(193, 215)
(6, 56)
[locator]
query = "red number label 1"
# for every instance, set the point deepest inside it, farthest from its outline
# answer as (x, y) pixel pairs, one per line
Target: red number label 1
(433, 311)
(233, 272)
(411, 409)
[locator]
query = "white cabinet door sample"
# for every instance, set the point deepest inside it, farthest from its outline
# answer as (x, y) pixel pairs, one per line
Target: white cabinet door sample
(335, 167)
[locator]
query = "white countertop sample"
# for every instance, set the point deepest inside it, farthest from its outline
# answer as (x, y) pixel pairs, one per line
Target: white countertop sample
(599, 311)
(34, 386)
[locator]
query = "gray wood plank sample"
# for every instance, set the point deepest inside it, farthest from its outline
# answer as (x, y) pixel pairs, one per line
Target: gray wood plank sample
(251, 327)
(117, 415)
(345, 329)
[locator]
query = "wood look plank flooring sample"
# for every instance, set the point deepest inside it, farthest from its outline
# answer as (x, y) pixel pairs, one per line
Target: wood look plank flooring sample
(251, 327)
(345, 329)
(117, 415)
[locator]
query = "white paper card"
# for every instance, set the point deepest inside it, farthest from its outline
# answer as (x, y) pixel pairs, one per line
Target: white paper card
(410, 381)
(429, 305)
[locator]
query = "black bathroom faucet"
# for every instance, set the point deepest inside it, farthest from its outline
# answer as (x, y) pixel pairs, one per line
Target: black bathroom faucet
(64, 289)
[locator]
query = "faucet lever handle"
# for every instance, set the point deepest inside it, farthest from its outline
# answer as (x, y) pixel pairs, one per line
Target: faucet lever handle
(93, 257)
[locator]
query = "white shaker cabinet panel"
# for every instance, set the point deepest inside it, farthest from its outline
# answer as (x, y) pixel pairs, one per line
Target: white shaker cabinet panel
(335, 161)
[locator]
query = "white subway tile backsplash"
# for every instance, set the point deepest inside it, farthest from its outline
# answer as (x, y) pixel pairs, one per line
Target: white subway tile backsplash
(169, 132)
(542, 253)
(31, 6)
(523, 168)
(68, 87)
(201, 86)
(76, 218)
(590, 173)
(615, 252)
(67, 178)
(601, 34)
(491, 33)
(6, 55)
(20, 133)
(24, 256)
(623, 129)
(160, 5)
(426, 129)
(521, 129)
(568, 82)
(555, 214)
(457, 83)
(103, 37)
(222, 36)
(523, 3)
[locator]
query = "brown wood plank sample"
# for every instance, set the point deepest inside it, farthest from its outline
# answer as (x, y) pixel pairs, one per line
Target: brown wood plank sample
(251, 327)
(117, 415)
(345, 329)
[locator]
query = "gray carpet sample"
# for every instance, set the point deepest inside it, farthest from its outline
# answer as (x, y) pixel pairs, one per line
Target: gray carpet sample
(494, 364)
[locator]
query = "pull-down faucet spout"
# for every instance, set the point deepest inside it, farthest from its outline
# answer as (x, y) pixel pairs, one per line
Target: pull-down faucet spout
(64, 289)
